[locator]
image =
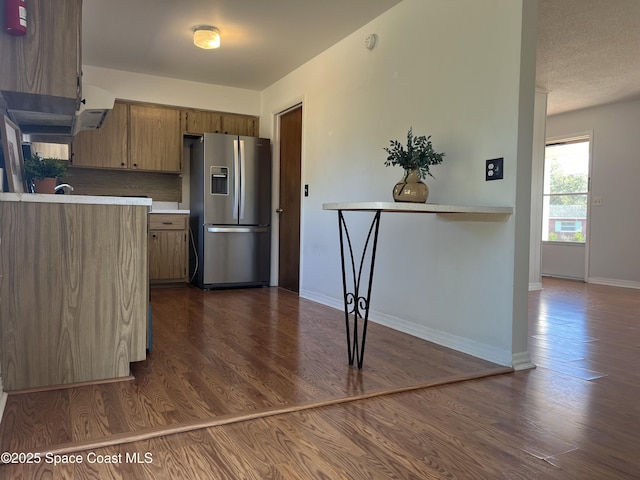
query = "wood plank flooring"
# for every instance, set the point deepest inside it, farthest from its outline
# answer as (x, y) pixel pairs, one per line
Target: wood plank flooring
(224, 354)
(553, 422)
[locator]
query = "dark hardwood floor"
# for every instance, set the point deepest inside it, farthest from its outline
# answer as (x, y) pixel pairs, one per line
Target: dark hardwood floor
(576, 416)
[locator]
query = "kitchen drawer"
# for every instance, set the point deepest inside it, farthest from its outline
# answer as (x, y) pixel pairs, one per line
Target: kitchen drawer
(167, 221)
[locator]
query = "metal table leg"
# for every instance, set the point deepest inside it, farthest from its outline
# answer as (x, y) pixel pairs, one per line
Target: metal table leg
(356, 306)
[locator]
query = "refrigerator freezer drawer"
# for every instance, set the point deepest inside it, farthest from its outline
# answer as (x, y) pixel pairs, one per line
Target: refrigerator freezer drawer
(236, 256)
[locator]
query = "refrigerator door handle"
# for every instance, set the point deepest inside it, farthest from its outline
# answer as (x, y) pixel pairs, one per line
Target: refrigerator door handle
(237, 229)
(242, 180)
(236, 179)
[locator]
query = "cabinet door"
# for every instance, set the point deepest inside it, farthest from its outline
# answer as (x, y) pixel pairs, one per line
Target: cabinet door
(106, 147)
(198, 122)
(46, 60)
(239, 125)
(167, 255)
(155, 136)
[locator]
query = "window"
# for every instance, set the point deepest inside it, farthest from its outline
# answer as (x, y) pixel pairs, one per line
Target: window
(566, 187)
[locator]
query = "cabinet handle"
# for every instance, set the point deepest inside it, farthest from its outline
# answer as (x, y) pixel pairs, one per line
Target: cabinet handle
(167, 223)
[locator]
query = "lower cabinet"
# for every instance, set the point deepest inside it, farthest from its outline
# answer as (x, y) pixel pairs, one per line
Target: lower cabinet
(168, 248)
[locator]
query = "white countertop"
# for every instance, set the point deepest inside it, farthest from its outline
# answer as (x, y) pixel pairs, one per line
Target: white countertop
(180, 212)
(74, 199)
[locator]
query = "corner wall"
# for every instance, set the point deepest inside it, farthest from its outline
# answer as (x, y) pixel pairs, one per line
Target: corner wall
(467, 80)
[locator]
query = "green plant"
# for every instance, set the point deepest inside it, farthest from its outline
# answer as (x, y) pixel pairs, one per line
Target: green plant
(38, 168)
(419, 154)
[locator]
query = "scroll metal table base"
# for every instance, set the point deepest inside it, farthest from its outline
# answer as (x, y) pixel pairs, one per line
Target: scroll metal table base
(356, 305)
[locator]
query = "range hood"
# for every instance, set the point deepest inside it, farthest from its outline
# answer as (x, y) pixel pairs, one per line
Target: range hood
(94, 108)
(42, 116)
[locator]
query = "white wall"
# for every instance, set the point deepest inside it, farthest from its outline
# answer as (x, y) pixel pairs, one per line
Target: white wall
(170, 91)
(460, 72)
(615, 172)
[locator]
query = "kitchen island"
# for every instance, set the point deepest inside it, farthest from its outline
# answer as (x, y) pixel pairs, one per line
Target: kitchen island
(74, 289)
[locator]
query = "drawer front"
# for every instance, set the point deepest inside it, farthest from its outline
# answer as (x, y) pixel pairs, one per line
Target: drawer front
(167, 221)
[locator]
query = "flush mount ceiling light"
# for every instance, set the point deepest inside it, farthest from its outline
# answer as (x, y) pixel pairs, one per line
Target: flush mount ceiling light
(205, 36)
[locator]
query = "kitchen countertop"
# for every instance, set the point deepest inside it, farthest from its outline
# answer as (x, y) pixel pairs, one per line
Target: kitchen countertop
(180, 212)
(74, 199)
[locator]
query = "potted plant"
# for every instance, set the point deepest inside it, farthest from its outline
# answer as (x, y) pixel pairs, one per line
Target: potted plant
(415, 159)
(44, 172)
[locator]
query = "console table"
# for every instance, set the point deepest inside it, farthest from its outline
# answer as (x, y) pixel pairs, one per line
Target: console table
(356, 301)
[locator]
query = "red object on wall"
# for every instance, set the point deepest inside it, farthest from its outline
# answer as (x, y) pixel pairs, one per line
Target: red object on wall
(15, 16)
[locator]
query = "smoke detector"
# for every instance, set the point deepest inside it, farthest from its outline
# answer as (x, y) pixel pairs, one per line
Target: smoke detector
(370, 41)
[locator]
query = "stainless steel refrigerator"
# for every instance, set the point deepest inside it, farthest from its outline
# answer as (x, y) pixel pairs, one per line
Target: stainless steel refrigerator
(230, 211)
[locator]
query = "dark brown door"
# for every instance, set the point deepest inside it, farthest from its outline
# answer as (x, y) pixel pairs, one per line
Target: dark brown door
(289, 208)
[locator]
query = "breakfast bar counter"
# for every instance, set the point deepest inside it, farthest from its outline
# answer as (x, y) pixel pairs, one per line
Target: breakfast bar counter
(74, 288)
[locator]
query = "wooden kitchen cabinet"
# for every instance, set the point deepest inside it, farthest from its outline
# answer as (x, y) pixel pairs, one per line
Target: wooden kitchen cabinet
(46, 62)
(155, 137)
(198, 122)
(106, 147)
(148, 137)
(133, 137)
(168, 248)
(239, 125)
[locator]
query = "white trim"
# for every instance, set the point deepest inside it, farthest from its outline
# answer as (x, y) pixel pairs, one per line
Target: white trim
(298, 101)
(464, 345)
(586, 135)
(535, 286)
(612, 282)
(522, 361)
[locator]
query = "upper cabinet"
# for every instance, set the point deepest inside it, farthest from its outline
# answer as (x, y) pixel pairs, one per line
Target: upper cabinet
(106, 147)
(42, 69)
(198, 122)
(239, 125)
(155, 137)
(133, 137)
(148, 137)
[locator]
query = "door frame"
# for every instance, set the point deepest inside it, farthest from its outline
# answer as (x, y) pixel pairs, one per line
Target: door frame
(588, 134)
(275, 198)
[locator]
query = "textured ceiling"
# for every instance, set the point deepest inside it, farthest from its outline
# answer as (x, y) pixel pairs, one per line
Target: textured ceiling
(588, 50)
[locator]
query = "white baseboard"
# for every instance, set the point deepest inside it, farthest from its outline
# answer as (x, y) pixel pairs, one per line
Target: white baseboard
(464, 345)
(535, 286)
(522, 361)
(612, 282)
(332, 302)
